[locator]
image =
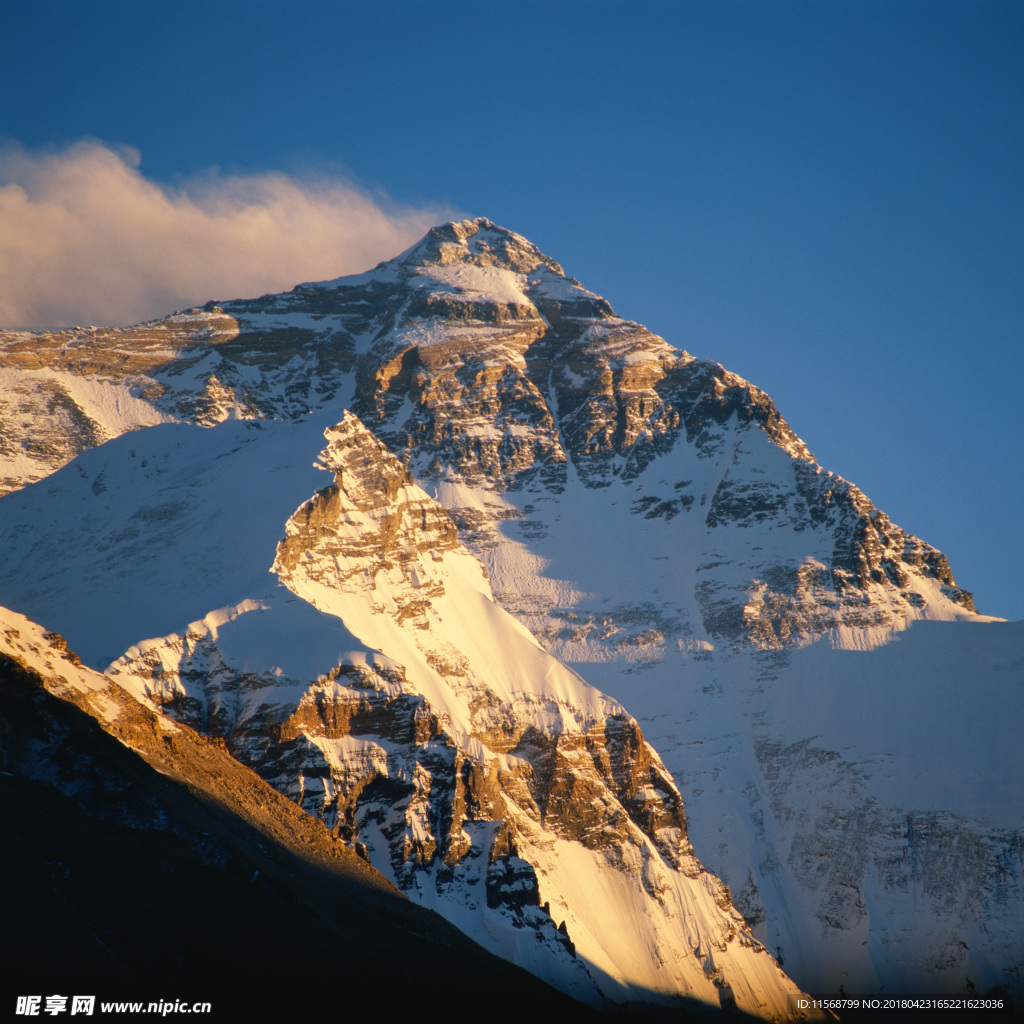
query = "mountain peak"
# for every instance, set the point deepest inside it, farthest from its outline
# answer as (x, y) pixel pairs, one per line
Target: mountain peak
(479, 242)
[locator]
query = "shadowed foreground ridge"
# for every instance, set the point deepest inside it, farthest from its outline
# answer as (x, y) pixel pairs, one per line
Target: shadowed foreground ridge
(146, 864)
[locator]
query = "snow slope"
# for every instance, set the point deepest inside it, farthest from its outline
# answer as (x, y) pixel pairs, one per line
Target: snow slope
(347, 647)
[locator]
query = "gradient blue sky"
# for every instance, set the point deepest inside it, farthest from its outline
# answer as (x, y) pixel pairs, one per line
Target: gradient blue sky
(825, 197)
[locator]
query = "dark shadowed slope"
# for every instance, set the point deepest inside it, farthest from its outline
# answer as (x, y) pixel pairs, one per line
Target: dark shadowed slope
(143, 862)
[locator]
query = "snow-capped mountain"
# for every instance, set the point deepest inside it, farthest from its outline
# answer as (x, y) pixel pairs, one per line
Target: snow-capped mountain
(840, 723)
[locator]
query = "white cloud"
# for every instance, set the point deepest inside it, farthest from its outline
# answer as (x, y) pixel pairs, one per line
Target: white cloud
(86, 238)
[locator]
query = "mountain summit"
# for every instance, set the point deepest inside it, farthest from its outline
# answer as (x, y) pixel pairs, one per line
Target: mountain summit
(477, 242)
(376, 531)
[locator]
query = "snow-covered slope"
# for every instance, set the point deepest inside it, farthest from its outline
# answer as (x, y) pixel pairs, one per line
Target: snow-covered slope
(361, 666)
(800, 662)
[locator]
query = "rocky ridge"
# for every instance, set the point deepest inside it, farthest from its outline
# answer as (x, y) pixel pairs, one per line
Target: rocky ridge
(488, 787)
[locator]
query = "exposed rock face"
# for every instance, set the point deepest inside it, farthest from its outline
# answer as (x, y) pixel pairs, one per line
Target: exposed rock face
(477, 773)
(648, 516)
(374, 520)
(475, 359)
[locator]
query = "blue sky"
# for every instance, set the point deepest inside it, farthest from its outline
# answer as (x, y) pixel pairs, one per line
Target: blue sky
(825, 197)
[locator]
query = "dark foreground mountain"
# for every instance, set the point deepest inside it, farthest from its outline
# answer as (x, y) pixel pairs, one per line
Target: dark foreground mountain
(283, 559)
(142, 862)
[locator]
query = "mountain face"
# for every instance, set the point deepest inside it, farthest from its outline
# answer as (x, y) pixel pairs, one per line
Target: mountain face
(514, 464)
(363, 669)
